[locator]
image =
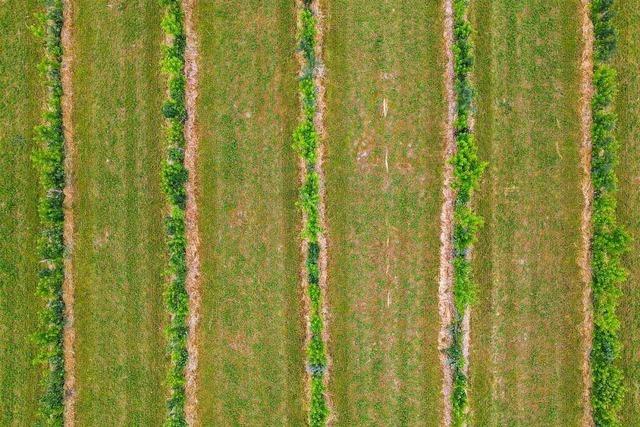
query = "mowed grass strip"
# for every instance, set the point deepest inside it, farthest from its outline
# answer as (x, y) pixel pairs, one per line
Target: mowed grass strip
(627, 64)
(119, 252)
(526, 349)
(384, 173)
(251, 338)
(20, 111)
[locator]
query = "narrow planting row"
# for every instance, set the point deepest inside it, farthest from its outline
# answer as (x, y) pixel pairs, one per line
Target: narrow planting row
(49, 160)
(305, 142)
(467, 169)
(174, 178)
(609, 240)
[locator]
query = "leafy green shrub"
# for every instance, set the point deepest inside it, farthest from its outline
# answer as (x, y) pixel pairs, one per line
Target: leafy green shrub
(467, 170)
(305, 142)
(48, 159)
(609, 240)
(174, 178)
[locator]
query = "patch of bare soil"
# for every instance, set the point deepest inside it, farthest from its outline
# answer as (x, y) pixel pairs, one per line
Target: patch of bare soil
(586, 89)
(69, 333)
(445, 288)
(193, 237)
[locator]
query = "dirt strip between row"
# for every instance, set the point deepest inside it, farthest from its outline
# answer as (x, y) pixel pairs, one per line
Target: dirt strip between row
(69, 333)
(304, 245)
(323, 238)
(193, 236)
(586, 92)
(319, 78)
(445, 288)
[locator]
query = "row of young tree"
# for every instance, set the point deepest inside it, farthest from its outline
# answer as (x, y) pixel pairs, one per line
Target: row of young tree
(305, 142)
(609, 240)
(467, 169)
(174, 179)
(49, 159)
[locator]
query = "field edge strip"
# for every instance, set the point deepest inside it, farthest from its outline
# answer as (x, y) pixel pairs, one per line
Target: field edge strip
(68, 287)
(49, 160)
(174, 181)
(609, 240)
(192, 233)
(306, 142)
(586, 89)
(445, 279)
(467, 170)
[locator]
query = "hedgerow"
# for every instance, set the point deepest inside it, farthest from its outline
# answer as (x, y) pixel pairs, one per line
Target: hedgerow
(49, 161)
(609, 240)
(174, 178)
(305, 142)
(467, 170)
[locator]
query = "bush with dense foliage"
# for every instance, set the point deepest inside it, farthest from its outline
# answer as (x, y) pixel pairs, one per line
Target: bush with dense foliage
(174, 178)
(609, 240)
(305, 142)
(49, 161)
(467, 169)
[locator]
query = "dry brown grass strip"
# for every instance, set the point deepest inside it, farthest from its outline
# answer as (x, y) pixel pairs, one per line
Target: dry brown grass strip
(584, 261)
(68, 291)
(304, 246)
(445, 288)
(192, 283)
(323, 238)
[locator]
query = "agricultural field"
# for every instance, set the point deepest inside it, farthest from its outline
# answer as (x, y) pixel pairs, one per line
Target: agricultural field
(319, 212)
(525, 332)
(385, 126)
(628, 109)
(19, 113)
(118, 254)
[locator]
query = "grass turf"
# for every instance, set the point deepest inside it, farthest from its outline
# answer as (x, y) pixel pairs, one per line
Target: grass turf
(251, 359)
(118, 256)
(525, 336)
(385, 124)
(20, 108)
(627, 63)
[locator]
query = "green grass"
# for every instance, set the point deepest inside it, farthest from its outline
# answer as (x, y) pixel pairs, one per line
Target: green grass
(119, 240)
(251, 359)
(627, 63)
(383, 226)
(526, 349)
(19, 113)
